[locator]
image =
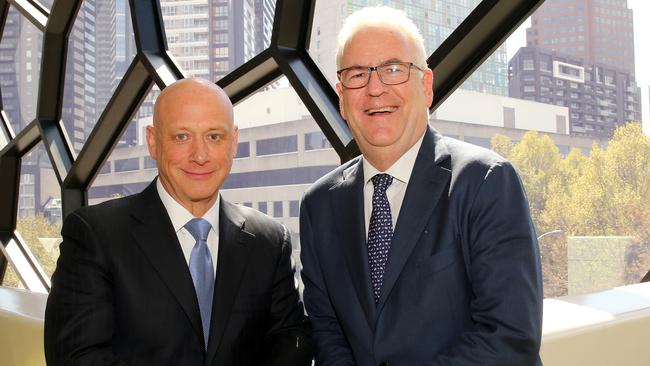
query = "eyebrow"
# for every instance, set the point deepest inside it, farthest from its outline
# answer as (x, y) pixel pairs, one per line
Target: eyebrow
(390, 60)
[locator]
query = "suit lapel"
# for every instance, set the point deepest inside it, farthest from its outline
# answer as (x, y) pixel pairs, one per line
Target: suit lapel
(347, 201)
(233, 258)
(154, 234)
(425, 188)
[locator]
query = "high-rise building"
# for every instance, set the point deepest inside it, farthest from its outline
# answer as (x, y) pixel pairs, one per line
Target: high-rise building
(599, 97)
(80, 92)
(105, 52)
(436, 19)
(10, 61)
(211, 38)
(598, 31)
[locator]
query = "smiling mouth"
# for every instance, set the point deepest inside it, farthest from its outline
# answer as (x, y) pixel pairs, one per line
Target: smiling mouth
(382, 110)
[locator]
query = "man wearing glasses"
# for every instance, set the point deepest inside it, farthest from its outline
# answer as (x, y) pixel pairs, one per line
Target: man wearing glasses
(422, 251)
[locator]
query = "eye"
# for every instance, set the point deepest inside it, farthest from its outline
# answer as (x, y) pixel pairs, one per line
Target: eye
(214, 137)
(181, 137)
(357, 73)
(393, 69)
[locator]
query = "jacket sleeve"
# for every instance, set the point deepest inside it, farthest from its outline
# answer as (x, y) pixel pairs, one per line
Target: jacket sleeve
(499, 241)
(332, 347)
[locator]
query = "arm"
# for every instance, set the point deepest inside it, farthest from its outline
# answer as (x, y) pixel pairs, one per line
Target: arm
(79, 315)
(502, 253)
(287, 341)
(331, 344)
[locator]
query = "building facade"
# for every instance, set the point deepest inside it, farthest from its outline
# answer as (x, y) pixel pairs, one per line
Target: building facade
(597, 31)
(599, 97)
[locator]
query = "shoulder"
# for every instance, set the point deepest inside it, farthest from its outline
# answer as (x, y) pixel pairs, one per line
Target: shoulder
(471, 161)
(260, 225)
(333, 178)
(109, 216)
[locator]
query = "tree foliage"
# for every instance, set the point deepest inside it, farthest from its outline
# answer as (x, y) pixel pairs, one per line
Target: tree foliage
(32, 229)
(604, 194)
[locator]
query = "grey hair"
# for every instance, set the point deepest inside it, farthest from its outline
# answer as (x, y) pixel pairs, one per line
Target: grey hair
(381, 17)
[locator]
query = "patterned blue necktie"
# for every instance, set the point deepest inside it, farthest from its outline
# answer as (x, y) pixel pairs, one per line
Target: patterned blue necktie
(202, 272)
(380, 232)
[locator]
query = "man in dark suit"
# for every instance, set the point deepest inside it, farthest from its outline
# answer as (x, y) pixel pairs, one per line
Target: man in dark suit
(176, 275)
(422, 251)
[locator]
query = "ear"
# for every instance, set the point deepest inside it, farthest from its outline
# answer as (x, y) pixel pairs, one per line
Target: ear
(235, 139)
(151, 142)
(427, 84)
(339, 91)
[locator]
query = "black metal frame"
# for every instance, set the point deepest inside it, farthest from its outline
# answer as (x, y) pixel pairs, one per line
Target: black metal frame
(473, 41)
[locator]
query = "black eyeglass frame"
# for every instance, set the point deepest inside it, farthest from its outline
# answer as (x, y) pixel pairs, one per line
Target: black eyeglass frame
(375, 68)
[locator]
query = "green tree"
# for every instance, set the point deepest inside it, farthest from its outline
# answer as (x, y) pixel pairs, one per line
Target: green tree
(538, 161)
(32, 229)
(502, 144)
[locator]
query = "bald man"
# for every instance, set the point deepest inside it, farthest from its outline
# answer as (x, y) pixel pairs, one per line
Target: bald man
(175, 275)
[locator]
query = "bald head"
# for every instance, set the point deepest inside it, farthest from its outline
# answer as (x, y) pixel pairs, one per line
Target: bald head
(187, 91)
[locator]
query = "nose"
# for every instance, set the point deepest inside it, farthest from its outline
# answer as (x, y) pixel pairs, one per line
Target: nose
(199, 151)
(375, 86)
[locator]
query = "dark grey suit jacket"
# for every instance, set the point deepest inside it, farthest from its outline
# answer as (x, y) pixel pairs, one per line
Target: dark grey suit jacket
(462, 284)
(122, 293)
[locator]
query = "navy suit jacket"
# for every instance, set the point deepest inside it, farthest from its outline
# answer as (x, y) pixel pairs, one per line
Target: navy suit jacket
(122, 293)
(462, 284)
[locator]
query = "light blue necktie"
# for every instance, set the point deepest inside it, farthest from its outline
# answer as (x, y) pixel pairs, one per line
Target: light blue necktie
(202, 272)
(380, 232)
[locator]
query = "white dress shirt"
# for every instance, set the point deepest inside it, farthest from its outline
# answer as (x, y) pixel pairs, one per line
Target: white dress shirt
(401, 172)
(179, 216)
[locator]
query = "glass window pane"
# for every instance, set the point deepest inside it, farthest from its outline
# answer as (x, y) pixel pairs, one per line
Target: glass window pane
(270, 181)
(277, 145)
(565, 128)
(40, 208)
(243, 150)
(278, 209)
(316, 140)
(100, 50)
(11, 278)
(20, 65)
(129, 168)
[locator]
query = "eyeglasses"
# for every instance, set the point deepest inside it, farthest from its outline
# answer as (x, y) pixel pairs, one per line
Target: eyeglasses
(390, 73)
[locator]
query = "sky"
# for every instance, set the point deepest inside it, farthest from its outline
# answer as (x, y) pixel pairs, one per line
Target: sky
(641, 11)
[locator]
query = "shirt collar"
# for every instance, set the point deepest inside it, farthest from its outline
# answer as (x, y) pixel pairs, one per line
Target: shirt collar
(400, 170)
(179, 215)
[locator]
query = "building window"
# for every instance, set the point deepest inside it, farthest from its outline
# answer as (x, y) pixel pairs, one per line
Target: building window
(149, 163)
(316, 140)
(125, 165)
(248, 204)
(277, 145)
(243, 150)
(261, 206)
(277, 208)
(294, 209)
(529, 64)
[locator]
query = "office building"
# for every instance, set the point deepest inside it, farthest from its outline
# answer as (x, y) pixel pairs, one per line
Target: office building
(597, 31)
(599, 97)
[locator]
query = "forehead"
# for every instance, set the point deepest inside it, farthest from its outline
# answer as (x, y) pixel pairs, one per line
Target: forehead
(192, 107)
(373, 45)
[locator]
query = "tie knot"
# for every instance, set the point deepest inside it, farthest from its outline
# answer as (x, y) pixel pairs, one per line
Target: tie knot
(199, 228)
(382, 181)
